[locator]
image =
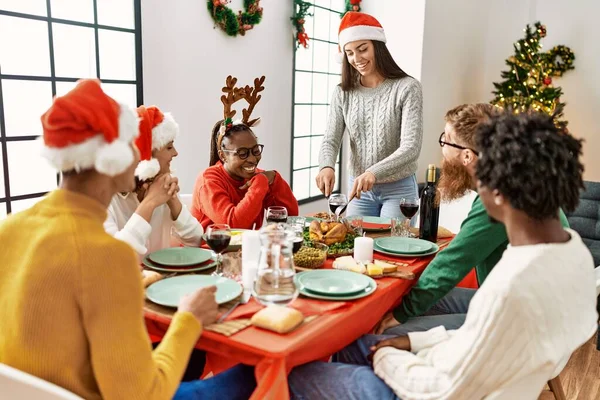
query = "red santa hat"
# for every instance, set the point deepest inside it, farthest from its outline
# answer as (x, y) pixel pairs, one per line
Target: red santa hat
(358, 26)
(87, 129)
(156, 131)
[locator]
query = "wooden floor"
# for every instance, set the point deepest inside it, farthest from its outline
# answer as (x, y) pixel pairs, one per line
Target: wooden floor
(581, 377)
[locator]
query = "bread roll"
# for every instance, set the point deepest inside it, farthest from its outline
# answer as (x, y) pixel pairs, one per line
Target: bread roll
(277, 319)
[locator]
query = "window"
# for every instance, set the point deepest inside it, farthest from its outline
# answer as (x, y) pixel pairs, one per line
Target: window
(45, 47)
(316, 74)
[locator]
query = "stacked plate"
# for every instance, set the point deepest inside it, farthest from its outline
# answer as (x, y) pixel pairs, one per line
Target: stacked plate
(168, 292)
(336, 285)
(404, 247)
(376, 224)
(180, 259)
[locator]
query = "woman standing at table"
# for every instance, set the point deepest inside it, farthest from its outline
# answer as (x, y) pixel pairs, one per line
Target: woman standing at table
(381, 107)
(233, 190)
(145, 217)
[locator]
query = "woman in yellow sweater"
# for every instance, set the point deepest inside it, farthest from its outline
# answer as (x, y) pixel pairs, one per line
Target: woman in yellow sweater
(70, 294)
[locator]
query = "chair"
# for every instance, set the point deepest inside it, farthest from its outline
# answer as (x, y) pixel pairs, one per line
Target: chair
(585, 220)
(15, 384)
(186, 199)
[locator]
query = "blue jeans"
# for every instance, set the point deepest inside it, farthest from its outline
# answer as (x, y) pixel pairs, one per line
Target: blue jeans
(350, 375)
(333, 381)
(384, 199)
(235, 383)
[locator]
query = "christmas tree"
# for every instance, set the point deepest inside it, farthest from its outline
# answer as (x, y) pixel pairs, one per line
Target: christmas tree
(528, 84)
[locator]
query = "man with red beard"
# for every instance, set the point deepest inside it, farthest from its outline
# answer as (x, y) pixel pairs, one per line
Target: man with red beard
(435, 300)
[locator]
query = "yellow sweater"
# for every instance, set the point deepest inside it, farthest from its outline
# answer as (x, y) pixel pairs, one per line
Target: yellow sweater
(71, 310)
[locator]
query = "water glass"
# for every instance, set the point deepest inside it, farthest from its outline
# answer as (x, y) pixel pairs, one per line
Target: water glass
(355, 223)
(398, 227)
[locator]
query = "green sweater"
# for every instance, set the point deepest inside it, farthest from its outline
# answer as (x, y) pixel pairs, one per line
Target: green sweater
(479, 243)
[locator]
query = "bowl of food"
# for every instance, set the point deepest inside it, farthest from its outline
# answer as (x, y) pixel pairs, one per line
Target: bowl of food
(236, 240)
(311, 256)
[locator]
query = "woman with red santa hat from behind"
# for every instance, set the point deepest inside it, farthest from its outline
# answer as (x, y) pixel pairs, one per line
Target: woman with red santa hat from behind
(145, 217)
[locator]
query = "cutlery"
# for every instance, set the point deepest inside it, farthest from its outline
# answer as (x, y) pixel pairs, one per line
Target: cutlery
(228, 312)
(340, 210)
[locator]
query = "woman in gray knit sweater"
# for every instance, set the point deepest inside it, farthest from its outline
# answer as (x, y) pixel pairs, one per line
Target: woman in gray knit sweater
(381, 108)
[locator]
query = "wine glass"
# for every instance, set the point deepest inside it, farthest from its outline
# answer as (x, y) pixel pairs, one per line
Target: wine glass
(337, 204)
(218, 237)
(277, 215)
(409, 207)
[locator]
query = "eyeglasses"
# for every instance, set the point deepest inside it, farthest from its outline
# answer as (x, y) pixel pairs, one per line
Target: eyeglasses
(456, 146)
(244, 152)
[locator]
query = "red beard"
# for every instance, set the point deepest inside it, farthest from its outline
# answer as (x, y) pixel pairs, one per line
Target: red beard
(455, 180)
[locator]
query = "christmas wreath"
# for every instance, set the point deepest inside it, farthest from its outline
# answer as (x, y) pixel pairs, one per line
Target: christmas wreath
(231, 23)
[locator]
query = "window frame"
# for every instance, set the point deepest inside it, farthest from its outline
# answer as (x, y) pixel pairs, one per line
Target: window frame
(338, 171)
(8, 199)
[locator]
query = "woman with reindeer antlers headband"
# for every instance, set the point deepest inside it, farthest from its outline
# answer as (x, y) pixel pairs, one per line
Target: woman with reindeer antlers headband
(233, 190)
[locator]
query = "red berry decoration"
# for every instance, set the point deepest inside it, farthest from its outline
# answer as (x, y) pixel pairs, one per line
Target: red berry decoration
(547, 80)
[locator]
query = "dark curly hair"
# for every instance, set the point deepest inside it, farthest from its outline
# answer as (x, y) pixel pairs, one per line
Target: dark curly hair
(214, 151)
(532, 163)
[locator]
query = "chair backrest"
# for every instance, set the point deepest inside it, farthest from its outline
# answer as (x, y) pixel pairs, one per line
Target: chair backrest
(15, 384)
(186, 199)
(585, 220)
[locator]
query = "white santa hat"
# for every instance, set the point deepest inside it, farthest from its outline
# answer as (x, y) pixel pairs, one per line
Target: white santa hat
(87, 129)
(156, 131)
(358, 26)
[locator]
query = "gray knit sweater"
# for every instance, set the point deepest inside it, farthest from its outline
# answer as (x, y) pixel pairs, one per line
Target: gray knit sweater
(385, 125)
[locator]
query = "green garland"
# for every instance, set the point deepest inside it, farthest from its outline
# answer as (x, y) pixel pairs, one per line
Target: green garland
(231, 23)
(301, 8)
(352, 5)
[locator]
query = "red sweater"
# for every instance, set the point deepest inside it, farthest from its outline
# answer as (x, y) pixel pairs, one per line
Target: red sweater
(218, 199)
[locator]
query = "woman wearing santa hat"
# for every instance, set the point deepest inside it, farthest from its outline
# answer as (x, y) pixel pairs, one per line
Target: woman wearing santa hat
(381, 108)
(146, 217)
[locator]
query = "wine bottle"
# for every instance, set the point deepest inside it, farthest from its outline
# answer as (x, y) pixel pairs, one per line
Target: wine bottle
(430, 208)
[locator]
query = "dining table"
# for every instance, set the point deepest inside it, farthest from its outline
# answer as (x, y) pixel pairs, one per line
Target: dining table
(334, 325)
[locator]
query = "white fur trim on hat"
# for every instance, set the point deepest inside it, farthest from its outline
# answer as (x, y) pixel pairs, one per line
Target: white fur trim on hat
(147, 169)
(360, 32)
(107, 158)
(164, 132)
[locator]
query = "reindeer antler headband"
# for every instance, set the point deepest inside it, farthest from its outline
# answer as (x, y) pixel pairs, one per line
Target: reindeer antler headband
(235, 94)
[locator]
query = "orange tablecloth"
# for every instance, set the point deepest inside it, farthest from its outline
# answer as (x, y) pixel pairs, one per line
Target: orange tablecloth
(275, 355)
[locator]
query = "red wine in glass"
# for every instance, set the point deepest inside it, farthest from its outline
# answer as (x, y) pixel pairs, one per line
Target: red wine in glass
(409, 210)
(277, 219)
(218, 242)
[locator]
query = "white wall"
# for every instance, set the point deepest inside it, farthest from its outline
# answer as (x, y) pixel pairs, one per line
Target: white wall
(403, 24)
(452, 67)
(186, 62)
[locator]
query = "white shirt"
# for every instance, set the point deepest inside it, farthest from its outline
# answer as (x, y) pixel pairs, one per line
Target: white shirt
(537, 306)
(124, 224)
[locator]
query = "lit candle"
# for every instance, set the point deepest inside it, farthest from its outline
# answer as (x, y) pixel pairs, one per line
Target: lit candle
(250, 256)
(363, 249)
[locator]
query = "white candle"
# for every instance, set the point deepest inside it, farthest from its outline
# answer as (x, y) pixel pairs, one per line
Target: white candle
(250, 255)
(363, 249)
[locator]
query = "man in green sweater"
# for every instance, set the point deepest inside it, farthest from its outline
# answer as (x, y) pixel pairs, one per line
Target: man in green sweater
(435, 300)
